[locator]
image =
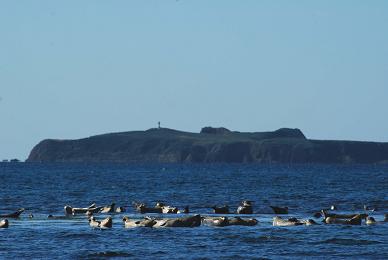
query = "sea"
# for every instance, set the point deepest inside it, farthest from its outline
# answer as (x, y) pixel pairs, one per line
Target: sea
(43, 189)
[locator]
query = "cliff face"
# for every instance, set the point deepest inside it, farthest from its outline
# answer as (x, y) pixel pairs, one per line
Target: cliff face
(210, 145)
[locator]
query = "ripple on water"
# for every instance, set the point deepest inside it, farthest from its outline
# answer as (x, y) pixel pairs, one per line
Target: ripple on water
(269, 238)
(74, 235)
(98, 255)
(347, 242)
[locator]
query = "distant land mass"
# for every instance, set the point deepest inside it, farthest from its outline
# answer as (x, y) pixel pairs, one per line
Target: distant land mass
(211, 145)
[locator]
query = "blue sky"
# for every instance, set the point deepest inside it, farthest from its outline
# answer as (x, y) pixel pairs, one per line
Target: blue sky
(71, 69)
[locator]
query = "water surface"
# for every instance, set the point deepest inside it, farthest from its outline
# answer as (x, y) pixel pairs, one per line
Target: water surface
(45, 188)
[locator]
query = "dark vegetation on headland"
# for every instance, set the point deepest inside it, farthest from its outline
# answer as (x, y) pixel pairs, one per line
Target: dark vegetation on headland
(210, 145)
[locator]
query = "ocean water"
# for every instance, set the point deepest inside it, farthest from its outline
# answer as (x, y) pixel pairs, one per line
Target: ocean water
(44, 189)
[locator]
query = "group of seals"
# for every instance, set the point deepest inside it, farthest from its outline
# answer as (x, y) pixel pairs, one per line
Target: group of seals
(344, 219)
(159, 208)
(74, 211)
(92, 209)
(330, 218)
(190, 221)
(350, 219)
(88, 211)
(225, 221)
(246, 207)
(196, 220)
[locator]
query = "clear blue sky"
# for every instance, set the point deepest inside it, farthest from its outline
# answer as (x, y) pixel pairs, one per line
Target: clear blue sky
(71, 69)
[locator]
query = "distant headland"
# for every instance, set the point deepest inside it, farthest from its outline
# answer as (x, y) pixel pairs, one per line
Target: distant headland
(211, 145)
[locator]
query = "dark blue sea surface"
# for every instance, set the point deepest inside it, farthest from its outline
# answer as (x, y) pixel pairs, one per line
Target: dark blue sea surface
(44, 189)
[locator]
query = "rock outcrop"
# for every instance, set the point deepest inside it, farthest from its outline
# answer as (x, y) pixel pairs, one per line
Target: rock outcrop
(210, 145)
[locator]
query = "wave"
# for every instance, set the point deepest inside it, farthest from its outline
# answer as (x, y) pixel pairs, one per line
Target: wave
(266, 239)
(348, 242)
(108, 254)
(74, 235)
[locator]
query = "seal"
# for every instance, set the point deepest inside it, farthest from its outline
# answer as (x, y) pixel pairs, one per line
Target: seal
(15, 214)
(169, 210)
(225, 221)
(74, 211)
(142, 209)
(106, 223)
(309, 222)
(341, 216)
(166, 209)
(215, 221)
(132, 223)
(356, 220)
(159, 208)
(370, 221)
(280, 222)
(245, 208)
(108, 209)
(4, 223)
(191, 221)
(94, 223)
(120, 209)
(186, 210)
(237, 221)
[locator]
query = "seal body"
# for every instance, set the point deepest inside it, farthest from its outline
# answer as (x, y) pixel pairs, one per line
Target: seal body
(237, 221)
(109, 209)
(143, 209)
(280, 222)
(356, 220)
(69, 210)
(216, 222)
(15, 214)
(245, 208)
(106, 223)
(192, 221)
(133, 223)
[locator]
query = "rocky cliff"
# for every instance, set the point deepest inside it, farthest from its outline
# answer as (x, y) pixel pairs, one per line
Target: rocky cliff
(210, 145)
